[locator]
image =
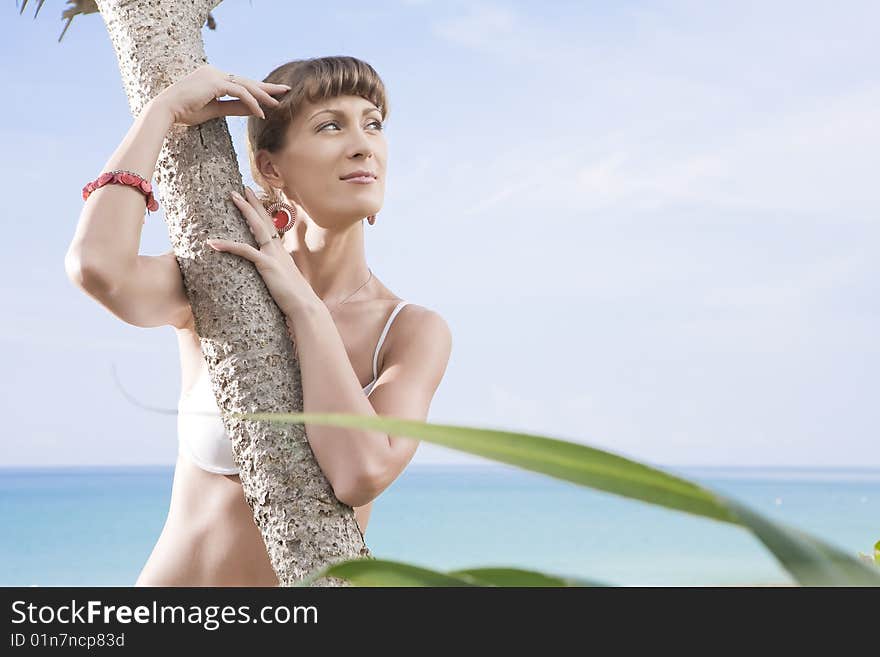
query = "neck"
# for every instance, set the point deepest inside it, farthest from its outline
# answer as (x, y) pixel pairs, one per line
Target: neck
(331, 260)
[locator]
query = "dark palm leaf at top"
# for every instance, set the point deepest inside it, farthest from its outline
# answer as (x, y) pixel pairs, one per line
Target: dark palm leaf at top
(86, 7)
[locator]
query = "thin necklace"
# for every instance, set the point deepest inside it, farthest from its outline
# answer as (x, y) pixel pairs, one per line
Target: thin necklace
(353, 293)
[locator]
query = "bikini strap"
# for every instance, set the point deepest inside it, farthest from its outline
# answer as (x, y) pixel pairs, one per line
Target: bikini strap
(384, 333)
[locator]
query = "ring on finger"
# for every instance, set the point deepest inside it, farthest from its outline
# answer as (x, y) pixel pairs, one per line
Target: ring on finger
(275, 236)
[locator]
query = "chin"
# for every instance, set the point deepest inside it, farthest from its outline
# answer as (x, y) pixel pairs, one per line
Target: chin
(366, 210)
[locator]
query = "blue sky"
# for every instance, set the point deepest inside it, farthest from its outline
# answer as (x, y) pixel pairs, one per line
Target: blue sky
(651, 227)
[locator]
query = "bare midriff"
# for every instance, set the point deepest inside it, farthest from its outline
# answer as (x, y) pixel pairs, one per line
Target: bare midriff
(210, 537)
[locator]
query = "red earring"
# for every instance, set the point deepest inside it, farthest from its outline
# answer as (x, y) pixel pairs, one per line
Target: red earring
(283, 215)
(372, 219)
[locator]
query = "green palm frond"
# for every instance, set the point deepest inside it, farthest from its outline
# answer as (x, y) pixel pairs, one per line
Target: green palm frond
(810, 560)
(383, 572)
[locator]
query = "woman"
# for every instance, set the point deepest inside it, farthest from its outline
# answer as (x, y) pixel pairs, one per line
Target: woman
(320, 150)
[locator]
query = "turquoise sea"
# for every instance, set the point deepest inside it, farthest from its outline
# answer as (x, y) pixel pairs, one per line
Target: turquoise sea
(83, 526)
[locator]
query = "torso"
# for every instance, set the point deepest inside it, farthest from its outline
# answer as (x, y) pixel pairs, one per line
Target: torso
(210, 537)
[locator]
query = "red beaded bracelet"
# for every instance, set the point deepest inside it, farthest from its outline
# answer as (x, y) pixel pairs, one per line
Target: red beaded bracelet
(123, 177)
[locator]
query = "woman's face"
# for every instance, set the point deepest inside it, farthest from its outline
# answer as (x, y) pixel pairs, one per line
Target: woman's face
(325, 142)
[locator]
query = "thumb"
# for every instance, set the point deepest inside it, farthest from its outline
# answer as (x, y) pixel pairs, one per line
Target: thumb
(233, 108)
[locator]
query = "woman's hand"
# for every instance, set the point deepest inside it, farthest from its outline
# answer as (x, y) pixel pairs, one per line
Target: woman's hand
(285, 281)
(194, 98)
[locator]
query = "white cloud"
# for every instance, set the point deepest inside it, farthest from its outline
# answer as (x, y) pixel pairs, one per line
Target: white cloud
(809, 285)
(505, 33)
(677, 112)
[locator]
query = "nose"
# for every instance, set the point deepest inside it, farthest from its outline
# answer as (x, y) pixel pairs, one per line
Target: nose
(361, 144)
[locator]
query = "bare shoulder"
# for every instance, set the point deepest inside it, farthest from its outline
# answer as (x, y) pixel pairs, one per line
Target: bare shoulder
(416, 315)
(416, 361)
(420, 328)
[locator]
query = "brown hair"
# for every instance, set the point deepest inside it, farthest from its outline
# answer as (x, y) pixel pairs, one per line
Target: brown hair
(312, 80)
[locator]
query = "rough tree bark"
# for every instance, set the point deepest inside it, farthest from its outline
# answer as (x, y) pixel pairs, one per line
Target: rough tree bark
(244, 338)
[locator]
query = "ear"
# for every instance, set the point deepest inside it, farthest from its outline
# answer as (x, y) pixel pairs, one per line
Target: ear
(267, 168)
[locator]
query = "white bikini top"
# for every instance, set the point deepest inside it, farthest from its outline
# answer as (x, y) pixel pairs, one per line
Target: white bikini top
(203, 438)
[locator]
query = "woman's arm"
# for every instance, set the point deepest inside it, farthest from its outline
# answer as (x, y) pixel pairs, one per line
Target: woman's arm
(105, 245)
(107, 239)
(360, 463)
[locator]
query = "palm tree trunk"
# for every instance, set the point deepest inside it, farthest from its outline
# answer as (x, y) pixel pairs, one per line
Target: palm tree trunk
(250, 355)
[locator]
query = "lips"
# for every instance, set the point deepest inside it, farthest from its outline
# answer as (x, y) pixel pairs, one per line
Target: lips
(361, 173)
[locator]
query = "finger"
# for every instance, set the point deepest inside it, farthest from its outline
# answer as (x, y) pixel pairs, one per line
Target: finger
(234, 89)
(276, 85)
(233, 108)
(236, 248)
(246, 209)
(257, 91)
(275, 89)
(213, 109)
(261, 228)
(258, 206)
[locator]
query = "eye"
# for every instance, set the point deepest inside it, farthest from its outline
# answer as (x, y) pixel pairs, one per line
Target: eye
(336, 123)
